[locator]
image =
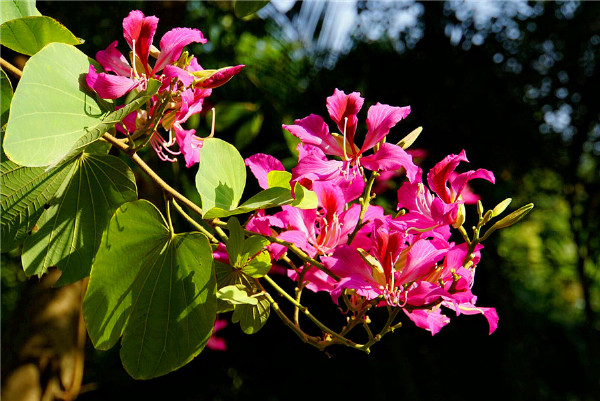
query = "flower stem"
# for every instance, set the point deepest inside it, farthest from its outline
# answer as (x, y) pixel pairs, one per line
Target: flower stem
(155, 177)
(194, 223)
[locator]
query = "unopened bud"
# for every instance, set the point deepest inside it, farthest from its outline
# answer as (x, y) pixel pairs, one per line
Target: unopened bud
(509, 220)
(410, 138)
(501, 207)
(460, 216)
(210, 79)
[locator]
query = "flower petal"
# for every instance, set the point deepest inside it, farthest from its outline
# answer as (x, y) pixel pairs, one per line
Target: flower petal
(109, 86)
(112, 60)
(173, 42)
(341, 106)
(141, 29)
(261, 164)
(380, 119)
(189, 145)
(312, 130)
(432, 321)
(391, 157)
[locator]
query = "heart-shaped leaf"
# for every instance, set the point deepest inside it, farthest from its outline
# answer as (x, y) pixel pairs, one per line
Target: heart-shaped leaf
(69, 231)
(154, 288)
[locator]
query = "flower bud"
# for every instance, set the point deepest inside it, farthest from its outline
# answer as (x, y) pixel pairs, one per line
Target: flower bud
(210, 79)
(460, 216)
(501, 207)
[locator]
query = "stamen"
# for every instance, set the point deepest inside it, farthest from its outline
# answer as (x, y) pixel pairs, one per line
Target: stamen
(345, 125)
(212, 126)
(133, 63)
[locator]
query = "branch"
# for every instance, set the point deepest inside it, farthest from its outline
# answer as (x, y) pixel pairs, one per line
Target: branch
(11, 68)
(155, 177)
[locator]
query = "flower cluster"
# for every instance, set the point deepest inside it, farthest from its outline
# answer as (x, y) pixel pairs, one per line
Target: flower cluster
(359, 253)
(185, 84)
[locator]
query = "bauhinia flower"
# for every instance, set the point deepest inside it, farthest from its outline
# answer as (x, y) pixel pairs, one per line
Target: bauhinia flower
(184, 81)
(343, 110)
(448, 206)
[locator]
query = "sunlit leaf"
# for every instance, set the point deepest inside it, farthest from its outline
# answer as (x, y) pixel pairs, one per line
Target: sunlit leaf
(70, 230)
(28, 35)
(235, 294)
(12, 9)
(252, 317)
(221, 175)
(154, 288)
(52, 113)
(50, 110)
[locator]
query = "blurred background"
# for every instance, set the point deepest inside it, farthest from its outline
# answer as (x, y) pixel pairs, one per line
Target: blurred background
(515, 84)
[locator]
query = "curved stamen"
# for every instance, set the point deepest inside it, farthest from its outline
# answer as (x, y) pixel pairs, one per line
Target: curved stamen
(212, 126)
(345, 125)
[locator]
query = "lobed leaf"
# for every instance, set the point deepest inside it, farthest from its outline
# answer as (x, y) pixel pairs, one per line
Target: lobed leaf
(154, 288)
(70, 230)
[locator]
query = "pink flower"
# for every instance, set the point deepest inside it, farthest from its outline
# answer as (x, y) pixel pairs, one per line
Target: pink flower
(449, 186)
(343, 109)
(138, 31)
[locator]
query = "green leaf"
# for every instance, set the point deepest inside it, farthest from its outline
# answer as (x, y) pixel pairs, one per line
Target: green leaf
(305, 198)
(114, 117)
(6, 93)
(271, 197)
(28, 35)
(13, 9)
(154, 288)
(259, 265)
(278, 178)
(235, 243)
(252, 247)
(49, 110)
(52, 115)
(252, 317)
(70, 230)
(243, 8)
(25, 191)
(221, 175)
(235, 294)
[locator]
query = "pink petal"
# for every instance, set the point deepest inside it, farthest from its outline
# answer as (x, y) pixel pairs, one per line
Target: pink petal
(312, 130)
(182, 75)
(458, 182)
(422, 257)
(112, 60)
(432, 321)
(380, 119)
(438, 176)
(109, 86)
(390, 157)
(261, 164)
(141, 29)
(172, 44)
(189, 145)
(341, 106)
(316, 169)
